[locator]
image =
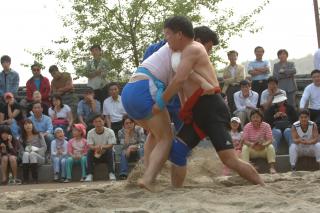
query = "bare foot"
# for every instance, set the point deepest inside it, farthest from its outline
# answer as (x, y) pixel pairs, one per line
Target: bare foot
(273, 171)
(143, 185)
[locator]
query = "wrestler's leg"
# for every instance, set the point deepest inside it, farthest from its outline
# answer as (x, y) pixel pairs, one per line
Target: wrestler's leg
(148, 147)
(187, 139)
(244, 169)
(159, 126)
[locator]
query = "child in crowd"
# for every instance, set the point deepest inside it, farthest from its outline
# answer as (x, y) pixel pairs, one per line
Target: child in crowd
(9, 148)
(77, 151)
(59, 154)
(236, 135)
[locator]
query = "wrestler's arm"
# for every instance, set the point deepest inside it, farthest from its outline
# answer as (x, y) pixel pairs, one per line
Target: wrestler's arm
(188, 60)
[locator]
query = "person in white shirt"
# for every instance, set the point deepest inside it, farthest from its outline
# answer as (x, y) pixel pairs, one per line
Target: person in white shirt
(311, 97)
(268, 94)
(113, 109)
(245, 101)
(100, 141)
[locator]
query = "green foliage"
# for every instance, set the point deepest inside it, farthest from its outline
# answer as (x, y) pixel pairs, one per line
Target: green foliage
(124, 28)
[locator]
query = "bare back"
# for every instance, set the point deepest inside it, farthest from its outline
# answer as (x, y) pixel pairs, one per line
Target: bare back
(202, 66)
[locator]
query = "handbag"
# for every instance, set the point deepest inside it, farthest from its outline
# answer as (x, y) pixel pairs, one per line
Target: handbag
(282, 124)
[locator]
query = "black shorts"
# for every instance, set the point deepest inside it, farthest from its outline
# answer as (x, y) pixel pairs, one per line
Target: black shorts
(212, 116)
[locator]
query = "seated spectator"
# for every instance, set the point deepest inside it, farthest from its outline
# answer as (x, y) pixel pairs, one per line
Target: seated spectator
(42, 123)
(87, 108)
(34, 147)
(311, 98)
(257, 140)
(100, 141)
(9, 148)
(132, 138)
(245, 100)
(36, 97)
(9, 79)
(113, 109)
(236, 135)
(61, 115)
(284, 71)
(10, 114)
(59, 155)
(38, 83)
(77, 151)
(305, 138)
(281, 116)
(232, 75)
(62, 85)
(268, 94)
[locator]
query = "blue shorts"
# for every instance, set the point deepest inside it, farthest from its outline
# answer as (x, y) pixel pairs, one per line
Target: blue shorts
(137, 100)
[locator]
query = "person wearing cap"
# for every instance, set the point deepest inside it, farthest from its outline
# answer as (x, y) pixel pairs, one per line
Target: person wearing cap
(281, 116)
(257, 140)
(77, 151)
(305, 139)
(96, 72)
(311, 98)
(9, 79)
(284, 71)
(88, 107)
(59, 151)
(236, 135)
(100, 141)
(268, 94)
(10, 114)
(232, 75)
(245, 100)
(62, 85)
(38, 83)
(132, 138)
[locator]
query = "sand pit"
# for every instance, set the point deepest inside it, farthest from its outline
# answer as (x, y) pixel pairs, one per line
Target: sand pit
(205, 191)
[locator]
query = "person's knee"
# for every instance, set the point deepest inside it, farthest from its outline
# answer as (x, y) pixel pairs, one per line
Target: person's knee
(13, 158)
(179, 153)
(276, 133)
(4, 159)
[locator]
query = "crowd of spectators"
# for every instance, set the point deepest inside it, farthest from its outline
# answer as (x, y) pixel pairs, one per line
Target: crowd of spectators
(51, 125)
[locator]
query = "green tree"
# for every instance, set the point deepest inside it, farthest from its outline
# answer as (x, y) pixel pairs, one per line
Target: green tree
(124, 28)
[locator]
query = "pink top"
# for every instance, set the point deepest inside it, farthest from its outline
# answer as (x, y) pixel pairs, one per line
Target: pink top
(253, 135)
(159, 64)
(77, 147)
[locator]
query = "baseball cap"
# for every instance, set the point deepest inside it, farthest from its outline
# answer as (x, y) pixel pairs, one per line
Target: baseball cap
(236, 119)
(8, 95)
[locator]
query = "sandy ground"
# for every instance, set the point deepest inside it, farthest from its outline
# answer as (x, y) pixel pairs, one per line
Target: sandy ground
(205, 191)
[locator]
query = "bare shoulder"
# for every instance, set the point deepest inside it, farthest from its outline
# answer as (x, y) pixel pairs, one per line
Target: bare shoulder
(194, 48)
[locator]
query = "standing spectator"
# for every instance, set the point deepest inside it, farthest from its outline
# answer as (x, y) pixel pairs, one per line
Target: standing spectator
(232, 75)
(59, 154)
(34, 150)
(88, 107)
(269, 93)
(42, 123)
(62, 85)
(96, 72)
(100, 142)
(36, 97)
(245, 101)
(284, 71)
(311, 97)
(38, 83)
(305, 139)
(113, 109)
(9, 79)
(132, 138)
(10, 114)
(9, 148)
(259, 70)
(257, 140)
(280, 117)
(236, 135)
(61, 115)
(77, 151)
